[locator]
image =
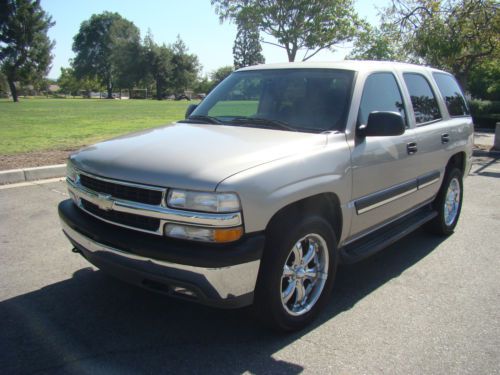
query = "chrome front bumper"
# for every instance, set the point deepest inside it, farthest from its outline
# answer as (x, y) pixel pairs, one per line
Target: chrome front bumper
(230, 286)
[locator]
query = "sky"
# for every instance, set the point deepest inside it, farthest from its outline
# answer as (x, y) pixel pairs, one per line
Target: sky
(194, 20)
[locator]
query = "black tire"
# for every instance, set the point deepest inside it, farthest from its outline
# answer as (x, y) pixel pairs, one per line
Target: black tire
(282, 237)
(441, 224)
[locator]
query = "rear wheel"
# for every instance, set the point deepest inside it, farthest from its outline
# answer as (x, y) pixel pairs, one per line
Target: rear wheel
(297, 272)
(448, 203)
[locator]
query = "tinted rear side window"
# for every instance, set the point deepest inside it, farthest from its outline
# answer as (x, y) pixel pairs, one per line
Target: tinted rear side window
(381, 93)
(423, 100)
(452, 95)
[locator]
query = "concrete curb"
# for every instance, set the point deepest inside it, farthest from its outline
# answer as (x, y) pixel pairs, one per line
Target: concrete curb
(490, 153)
(32, 174)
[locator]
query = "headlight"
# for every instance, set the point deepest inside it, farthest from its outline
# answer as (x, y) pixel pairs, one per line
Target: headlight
(201, 201)
(71, 172)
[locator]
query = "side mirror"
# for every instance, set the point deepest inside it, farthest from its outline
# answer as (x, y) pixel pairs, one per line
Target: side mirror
(190, 110)
(382, 124)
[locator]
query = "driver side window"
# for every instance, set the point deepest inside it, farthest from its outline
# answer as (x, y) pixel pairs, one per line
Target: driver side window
(381, 93)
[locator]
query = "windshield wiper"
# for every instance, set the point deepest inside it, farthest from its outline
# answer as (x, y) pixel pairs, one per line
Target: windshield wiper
(277, 124)
(198, 119)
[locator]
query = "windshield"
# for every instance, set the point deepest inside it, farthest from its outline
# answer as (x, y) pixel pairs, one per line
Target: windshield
(311, 100)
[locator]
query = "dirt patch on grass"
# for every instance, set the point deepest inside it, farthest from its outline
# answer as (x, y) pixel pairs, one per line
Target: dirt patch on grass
(33, 159)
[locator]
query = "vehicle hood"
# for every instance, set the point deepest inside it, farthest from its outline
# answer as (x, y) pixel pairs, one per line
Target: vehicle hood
(191, 156)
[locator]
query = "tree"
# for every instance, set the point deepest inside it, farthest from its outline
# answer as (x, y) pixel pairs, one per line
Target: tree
(185, 67)
(70, 84)
(310, 25)
(158, 60)
(376, 44)
(4, 86)
(127, 54)
(25, 48)
(455, 35)
(247, 50)
(105, 47)
(484, 80)
(220, 74)
(203, 85)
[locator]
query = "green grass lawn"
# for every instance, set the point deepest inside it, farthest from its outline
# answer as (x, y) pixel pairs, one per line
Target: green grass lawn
(235, 108)
(49, 124)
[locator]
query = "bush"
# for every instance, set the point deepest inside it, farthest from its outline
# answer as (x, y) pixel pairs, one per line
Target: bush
(484, 107)
(485, 113)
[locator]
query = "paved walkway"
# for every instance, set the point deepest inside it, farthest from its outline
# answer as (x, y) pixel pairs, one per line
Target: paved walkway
(484, 139)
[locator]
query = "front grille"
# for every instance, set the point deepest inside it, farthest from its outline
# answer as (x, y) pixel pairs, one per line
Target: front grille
(116, 190)
(131, 220)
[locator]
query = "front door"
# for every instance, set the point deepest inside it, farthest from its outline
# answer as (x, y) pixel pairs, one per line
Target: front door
(384, 179)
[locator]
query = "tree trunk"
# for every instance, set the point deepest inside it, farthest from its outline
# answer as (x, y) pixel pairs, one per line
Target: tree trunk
(291, 52)
(462, 79)
(158, 90)
(109, 89)
(13, 90)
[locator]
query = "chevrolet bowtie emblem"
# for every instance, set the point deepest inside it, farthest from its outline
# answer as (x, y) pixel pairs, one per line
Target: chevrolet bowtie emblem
(104, 202)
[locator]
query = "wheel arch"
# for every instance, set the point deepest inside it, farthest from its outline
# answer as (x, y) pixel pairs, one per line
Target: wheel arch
(325, 204)
(458, 161)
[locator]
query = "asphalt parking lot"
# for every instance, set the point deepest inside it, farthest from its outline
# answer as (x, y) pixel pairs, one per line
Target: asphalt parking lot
(425, 305)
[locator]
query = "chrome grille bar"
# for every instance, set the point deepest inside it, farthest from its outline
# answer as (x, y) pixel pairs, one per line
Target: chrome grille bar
(107, 202)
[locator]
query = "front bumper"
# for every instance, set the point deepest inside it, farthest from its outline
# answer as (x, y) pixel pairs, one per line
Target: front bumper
(217, 275)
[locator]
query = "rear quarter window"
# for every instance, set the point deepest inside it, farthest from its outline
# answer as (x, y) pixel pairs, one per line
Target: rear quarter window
(452, 95)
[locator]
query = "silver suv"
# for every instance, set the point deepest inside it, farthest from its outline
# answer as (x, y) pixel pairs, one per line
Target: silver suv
(279, 175)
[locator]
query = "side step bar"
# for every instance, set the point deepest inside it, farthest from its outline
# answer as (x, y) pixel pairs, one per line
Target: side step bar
(376, 241)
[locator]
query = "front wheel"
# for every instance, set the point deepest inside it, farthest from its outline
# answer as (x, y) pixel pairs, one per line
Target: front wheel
(297, 272)
(448, 203)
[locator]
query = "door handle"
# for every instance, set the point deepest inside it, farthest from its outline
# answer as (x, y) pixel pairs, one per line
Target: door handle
(411, 148)
(445, 138)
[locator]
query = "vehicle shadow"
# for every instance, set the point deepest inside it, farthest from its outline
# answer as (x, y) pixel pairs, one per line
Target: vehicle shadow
(480, 166)
(92, 323)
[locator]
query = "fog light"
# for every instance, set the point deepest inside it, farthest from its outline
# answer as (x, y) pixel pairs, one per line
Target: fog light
(188, 232)
(184, 291)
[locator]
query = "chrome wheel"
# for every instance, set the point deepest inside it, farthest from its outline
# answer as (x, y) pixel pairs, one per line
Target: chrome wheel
(304, 274)
(452, 202)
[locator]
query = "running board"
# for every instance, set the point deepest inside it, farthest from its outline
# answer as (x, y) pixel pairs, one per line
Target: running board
(385, 236)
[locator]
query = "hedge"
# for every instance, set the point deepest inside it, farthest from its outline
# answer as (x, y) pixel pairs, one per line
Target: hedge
(485, 113)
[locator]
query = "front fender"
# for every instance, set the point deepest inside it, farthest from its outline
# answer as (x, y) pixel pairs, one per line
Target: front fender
(267, 188)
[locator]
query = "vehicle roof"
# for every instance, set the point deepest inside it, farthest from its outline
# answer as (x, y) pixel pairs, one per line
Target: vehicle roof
(356, 65)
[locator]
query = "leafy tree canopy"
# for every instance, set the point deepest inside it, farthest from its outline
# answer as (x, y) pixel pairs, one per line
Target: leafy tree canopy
(376, 44)
(484, 80)
(455, 35)
(217, 76)
(185, 66)
(25, 48)
(247, 50)
(70, 84)
(308, 25)
(105, 48)
(158, 64)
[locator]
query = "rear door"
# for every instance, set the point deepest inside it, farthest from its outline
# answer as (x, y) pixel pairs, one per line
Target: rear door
(432, 131)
